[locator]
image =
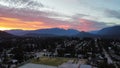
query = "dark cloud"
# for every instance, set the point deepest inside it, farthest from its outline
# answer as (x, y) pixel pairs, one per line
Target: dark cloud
(112, 13)
(21, 3)
(77, 16)
(26, 10)
(32, 3)
(26, 14)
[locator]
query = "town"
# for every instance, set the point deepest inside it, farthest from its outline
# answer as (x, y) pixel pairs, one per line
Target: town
(90, 52)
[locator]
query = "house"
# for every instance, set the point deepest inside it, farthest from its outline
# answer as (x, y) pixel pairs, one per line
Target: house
(80, 56)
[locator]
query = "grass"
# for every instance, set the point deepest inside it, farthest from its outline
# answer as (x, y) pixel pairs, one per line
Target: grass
(51, 61)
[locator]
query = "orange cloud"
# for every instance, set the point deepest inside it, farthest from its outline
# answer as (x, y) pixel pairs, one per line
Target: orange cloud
(15, 23)
(64, 26)
(12, 23)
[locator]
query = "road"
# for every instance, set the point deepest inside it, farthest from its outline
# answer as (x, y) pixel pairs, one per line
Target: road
(109, 60)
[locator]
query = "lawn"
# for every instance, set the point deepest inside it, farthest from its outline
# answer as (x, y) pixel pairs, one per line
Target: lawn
(51, 61)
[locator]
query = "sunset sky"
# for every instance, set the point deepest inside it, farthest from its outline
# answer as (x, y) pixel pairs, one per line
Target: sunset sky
(82, 15)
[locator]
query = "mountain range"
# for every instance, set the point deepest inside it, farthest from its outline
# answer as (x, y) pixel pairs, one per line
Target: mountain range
(51, 31)
(5, 35)
(113, 31)
(110, 32)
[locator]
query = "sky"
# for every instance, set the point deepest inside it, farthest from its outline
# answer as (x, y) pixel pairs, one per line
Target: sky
(82, 15)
